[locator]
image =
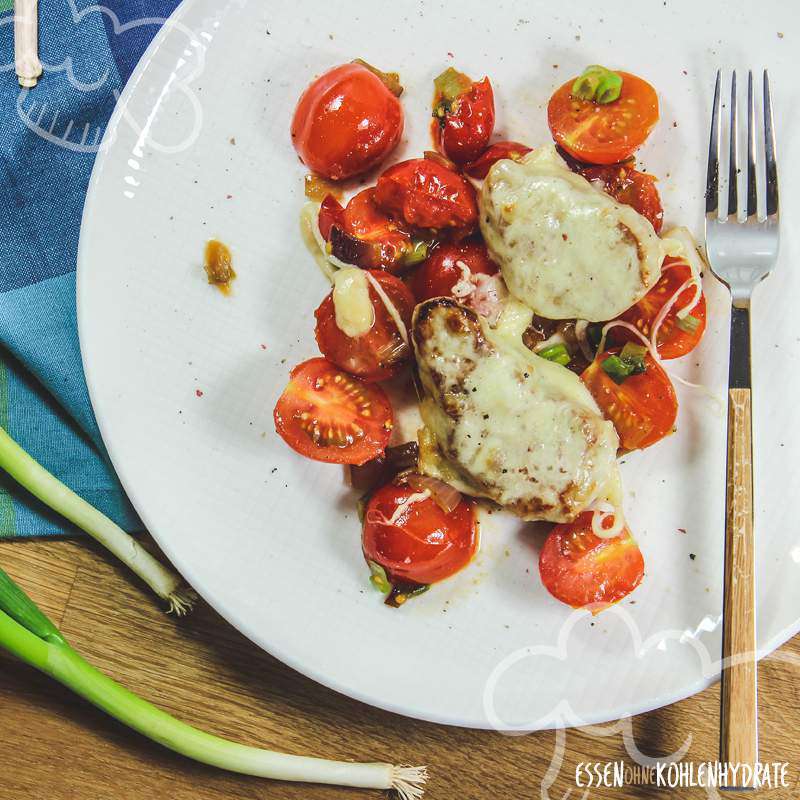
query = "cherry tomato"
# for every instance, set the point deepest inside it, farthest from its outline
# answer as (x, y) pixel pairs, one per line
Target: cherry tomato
(346, 122)
(426, 194)
(464, 119)
(604, 133)
(672, 340)
(328, 415)
(330, 213)
(440, 271)
(363, 235)
(479, 168)
(584, 570)
(379, 353)
(631, 187)
(417, 542)
(643, 407)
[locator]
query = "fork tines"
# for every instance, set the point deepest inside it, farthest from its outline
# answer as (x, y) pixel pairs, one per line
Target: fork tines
(751, 186)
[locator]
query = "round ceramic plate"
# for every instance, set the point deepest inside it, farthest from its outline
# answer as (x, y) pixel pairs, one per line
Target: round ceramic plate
(184, 379)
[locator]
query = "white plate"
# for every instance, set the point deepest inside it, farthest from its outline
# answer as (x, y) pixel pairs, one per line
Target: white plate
(270, 539)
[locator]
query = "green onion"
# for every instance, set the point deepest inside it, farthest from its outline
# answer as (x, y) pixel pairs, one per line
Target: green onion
(378, 577)
(629, 362)
(27, 633)
(555, 352)
(598, 84)
(689, 324)
(391, 80)
(42, 484)
(417, 254)
(449, 86)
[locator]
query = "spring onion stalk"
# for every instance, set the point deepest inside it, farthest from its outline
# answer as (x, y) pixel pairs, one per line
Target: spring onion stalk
(29, 635)
(42, 484)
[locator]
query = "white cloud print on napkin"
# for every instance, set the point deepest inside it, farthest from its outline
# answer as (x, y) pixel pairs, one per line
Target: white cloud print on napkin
(41, 112)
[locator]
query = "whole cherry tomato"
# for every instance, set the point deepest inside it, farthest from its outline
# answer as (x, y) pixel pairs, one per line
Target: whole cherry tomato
(445, 266)
(346, 122)
(425, 194)
(413, 539)
(464, 115)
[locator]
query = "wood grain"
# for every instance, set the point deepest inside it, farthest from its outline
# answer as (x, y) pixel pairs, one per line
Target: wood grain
(56, 747)
(739, 702)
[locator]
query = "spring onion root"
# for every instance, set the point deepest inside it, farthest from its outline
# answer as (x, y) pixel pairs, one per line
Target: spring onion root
(38, 481)
(28, 634)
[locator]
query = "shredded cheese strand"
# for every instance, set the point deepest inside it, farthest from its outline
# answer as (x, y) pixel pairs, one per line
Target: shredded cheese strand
(665, 309)
(390, 307)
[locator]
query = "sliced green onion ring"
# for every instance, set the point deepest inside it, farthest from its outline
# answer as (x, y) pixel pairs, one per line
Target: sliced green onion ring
(555, 352)
(598, 84)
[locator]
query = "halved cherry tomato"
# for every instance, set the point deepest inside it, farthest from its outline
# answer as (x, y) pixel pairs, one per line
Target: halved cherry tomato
(584, 570)
(643, 407)
(380, 352)
(603, 133)
(672, 341)
(426, 194)
(328, 415)
(479, 168)
(346, 122)
(631, 187)
(440, 271)
(413, 539)
(463, 115)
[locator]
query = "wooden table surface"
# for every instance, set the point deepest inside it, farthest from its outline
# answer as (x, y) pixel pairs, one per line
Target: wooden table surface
(56, 747)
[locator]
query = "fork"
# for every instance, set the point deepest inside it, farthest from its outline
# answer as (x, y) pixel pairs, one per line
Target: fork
(741, 250)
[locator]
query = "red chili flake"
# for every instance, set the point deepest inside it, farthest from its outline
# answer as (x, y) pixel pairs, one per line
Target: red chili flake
(263, 346)
(198, 393)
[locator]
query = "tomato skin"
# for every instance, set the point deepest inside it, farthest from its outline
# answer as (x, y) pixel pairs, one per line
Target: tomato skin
(439, 273)
(672, 341)
(424, 545)
(601, 134)
(584, 570)
(630, 187)
(426, 194)
(327, 415)
(479, 168)
(465, 130)
(379, 353)
(346, 122)
(643, 407)
(330, 213)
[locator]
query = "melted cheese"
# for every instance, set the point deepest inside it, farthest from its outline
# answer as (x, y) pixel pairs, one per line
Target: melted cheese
(503, 423)
(351, 302)
(565, 248)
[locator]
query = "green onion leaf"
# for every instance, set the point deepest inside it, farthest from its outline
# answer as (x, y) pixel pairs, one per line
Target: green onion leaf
(689, 324)
(449, 86)
(629, 362)
(555, 352)
(634, 354)
(379, 578)
(18, 606)
(416, 255)
(598, 84)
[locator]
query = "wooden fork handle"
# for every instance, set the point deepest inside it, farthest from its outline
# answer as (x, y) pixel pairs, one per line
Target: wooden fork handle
(739, 717)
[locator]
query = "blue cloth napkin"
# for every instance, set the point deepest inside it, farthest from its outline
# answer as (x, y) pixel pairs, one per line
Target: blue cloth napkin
(48, 140)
